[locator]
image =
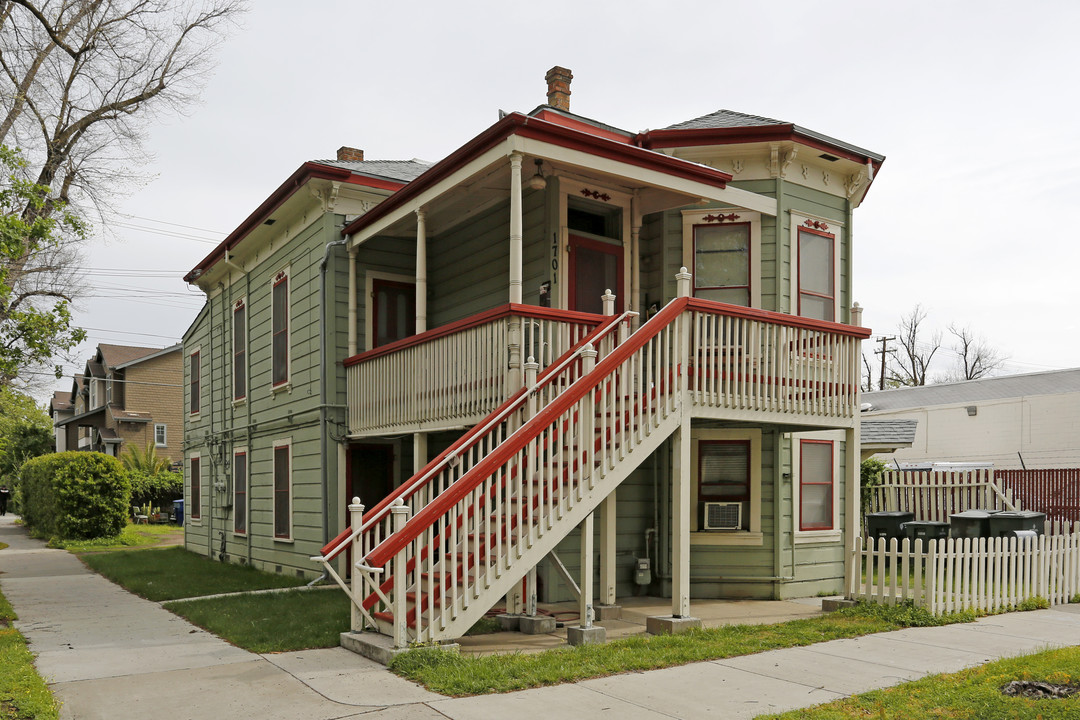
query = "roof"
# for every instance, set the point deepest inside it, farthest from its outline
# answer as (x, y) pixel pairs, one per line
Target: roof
(725, 119)
(888, 432)
(61, 401)
(114, 355)
(155, 353)
(130, 416)
(1051, 382)
(96, 369)
(399, 170)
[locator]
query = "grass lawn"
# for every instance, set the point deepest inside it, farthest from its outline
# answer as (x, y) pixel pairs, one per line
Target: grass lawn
(456, 675)
(274, 622)
(974, 693)
(132, 536)
(174, 573)
(23, 694)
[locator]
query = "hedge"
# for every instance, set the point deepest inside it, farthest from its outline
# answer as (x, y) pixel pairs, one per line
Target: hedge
(75, 495)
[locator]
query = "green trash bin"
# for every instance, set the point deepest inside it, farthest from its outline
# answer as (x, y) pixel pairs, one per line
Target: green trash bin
(888, 524)
(1004, 524)
(970, 524)
(926, 530)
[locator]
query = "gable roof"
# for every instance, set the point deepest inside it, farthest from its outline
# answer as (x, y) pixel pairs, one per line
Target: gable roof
(401, 170)
(971, 391)
(888, 432)
(725, 119)
(61, 401)
(114, 355)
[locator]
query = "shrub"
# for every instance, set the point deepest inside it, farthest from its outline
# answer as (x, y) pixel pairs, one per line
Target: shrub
(75, 495)
(156, 490)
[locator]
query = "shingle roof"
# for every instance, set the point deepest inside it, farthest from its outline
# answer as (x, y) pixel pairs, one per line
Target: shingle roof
(130, 415)
(61, 401)
(972, 391)
(399, 170)
(888, 432)
(725, 119)
(114, 355)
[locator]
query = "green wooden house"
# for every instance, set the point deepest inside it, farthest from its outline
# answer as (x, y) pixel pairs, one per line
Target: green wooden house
(559, 320)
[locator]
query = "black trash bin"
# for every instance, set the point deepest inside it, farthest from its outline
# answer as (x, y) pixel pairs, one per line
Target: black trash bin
(970, 524)
(178, 511)
(888, 524)
(926, 530)
(1003, 524)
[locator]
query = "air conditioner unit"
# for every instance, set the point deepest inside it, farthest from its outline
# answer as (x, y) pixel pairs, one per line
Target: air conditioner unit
(723, 515)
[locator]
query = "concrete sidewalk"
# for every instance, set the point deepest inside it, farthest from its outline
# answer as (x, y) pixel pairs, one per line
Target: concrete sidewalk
(110, 654)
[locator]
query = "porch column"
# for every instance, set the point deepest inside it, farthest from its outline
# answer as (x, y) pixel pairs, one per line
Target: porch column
(853, 478)
(421, 271)
(516, 223)
(420, 456)
(635, 257)
(352, 301)
(586, 633)
(607, 559)
(680, 522)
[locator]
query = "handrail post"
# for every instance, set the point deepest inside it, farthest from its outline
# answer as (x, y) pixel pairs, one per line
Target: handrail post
(682, 282)
(400, 513)
(608, 299)
(356, 521)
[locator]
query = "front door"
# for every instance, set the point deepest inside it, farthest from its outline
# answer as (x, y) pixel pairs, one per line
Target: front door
(595, 267)
(394, 311)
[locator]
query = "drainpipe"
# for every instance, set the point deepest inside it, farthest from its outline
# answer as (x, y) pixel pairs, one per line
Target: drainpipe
(324, 371)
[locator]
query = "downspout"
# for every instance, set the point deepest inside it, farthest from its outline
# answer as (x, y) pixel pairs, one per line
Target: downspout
(324, 371)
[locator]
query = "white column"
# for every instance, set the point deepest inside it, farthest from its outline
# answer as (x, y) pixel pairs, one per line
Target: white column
(586, 606)
(356, 520)
(420, 457)
(516, 223)
(607, 550)
(421, 272)
(680, 521)
(853, 476)
(400, 513)
(352, 301)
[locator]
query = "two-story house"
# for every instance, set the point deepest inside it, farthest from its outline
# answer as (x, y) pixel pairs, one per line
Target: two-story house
(558, 320)
(125, 395)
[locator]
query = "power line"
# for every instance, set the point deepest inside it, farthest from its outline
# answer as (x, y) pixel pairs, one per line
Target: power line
(165, 222)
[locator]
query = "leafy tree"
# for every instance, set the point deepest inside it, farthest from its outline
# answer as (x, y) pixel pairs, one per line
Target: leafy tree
(25, 432)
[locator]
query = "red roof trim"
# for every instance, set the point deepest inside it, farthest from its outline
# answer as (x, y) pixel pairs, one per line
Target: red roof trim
(307, 171)
(558, 119)
(535, 128)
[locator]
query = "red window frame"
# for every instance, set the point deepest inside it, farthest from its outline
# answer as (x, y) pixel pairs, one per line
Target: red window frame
(195, 493)
(803, 483)
(832, 270)
(279, 331)
(283, 492)
(195, 368)
(240, 493)
(706, 497)
(239, 350)
(749, 262)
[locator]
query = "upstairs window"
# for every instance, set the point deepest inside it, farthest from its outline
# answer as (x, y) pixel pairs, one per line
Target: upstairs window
(195, 369)
(722, 263)
(280, 328)
(817, 284)
(160, 436)
(239, 350)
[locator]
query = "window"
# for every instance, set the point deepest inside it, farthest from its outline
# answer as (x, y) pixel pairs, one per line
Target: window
(817, 289)
(280, 349)
(282, 491)
(160, 438)
(722, 263)
(726, 466)
(394, 312)
(724, 470)
(194, 503)
(195, 370)
(240, 477)
(239, 350)
(815, 485)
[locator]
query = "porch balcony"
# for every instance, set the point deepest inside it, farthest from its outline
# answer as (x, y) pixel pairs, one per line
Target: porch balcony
(743, 364)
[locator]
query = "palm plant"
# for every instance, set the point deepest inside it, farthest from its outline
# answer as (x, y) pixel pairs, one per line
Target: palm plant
(145, 461)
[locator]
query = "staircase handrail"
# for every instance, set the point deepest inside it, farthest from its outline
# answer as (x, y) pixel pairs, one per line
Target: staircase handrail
(796, 321)
(511, 405)
(529, 431)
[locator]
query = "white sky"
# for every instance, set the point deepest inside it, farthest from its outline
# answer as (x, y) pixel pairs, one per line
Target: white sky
(972, 103)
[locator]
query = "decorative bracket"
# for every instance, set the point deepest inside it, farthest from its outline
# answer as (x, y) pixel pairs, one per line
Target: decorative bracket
(595, 194)
(816, 225)
(730, 217)
(789, 157)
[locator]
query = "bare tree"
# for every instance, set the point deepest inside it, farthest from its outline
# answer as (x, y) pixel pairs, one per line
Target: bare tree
(911, 363)
(80, 82)
(976, 358)
(867, 375)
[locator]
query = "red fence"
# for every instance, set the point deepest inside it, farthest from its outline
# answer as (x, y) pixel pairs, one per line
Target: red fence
(1054, 492)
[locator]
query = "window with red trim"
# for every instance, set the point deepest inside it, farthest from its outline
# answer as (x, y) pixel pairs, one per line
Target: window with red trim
(240, 493)
(280, 329)
(282, 492)
(195, 371)
(239, 350)
(194, 503)
(817, 279)
(722, 263)
(815, 485)
(724, 470)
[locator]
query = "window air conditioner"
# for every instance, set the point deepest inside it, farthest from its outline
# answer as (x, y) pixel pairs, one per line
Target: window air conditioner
(723, 515)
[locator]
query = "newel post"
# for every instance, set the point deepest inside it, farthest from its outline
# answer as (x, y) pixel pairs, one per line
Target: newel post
(682, 282)
(356, 521)
(856, 315)
(400, 514)
(609, 302)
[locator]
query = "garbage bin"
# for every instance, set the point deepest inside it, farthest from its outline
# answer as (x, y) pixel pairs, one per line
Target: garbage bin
(178, 511)
(926, 530)
(887, 524)
(970, 524)
(1003, 524)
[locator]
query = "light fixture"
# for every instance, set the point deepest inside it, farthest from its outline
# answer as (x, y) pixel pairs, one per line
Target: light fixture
(537, 181)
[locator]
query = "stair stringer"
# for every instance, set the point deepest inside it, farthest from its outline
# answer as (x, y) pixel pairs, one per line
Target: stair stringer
(467, 613)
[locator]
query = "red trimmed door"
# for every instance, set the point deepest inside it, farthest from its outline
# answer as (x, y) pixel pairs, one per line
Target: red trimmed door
(595, 267)
(393, 311)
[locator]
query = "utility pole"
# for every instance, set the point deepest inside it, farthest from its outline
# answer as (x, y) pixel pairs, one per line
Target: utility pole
(882, 352)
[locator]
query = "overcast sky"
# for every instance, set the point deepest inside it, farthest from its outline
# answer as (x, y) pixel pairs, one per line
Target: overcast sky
(972, 103)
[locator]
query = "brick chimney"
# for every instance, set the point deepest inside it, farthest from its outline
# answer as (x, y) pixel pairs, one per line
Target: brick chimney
(348, 154)
(558, 80)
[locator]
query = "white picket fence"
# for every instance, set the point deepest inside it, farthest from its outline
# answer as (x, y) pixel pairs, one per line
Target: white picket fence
(963, 573)
(935, 495)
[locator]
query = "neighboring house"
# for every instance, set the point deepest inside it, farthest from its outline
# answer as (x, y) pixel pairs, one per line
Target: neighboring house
(881, 437)
(1010, 422)
(125, 395)
(369, 312)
